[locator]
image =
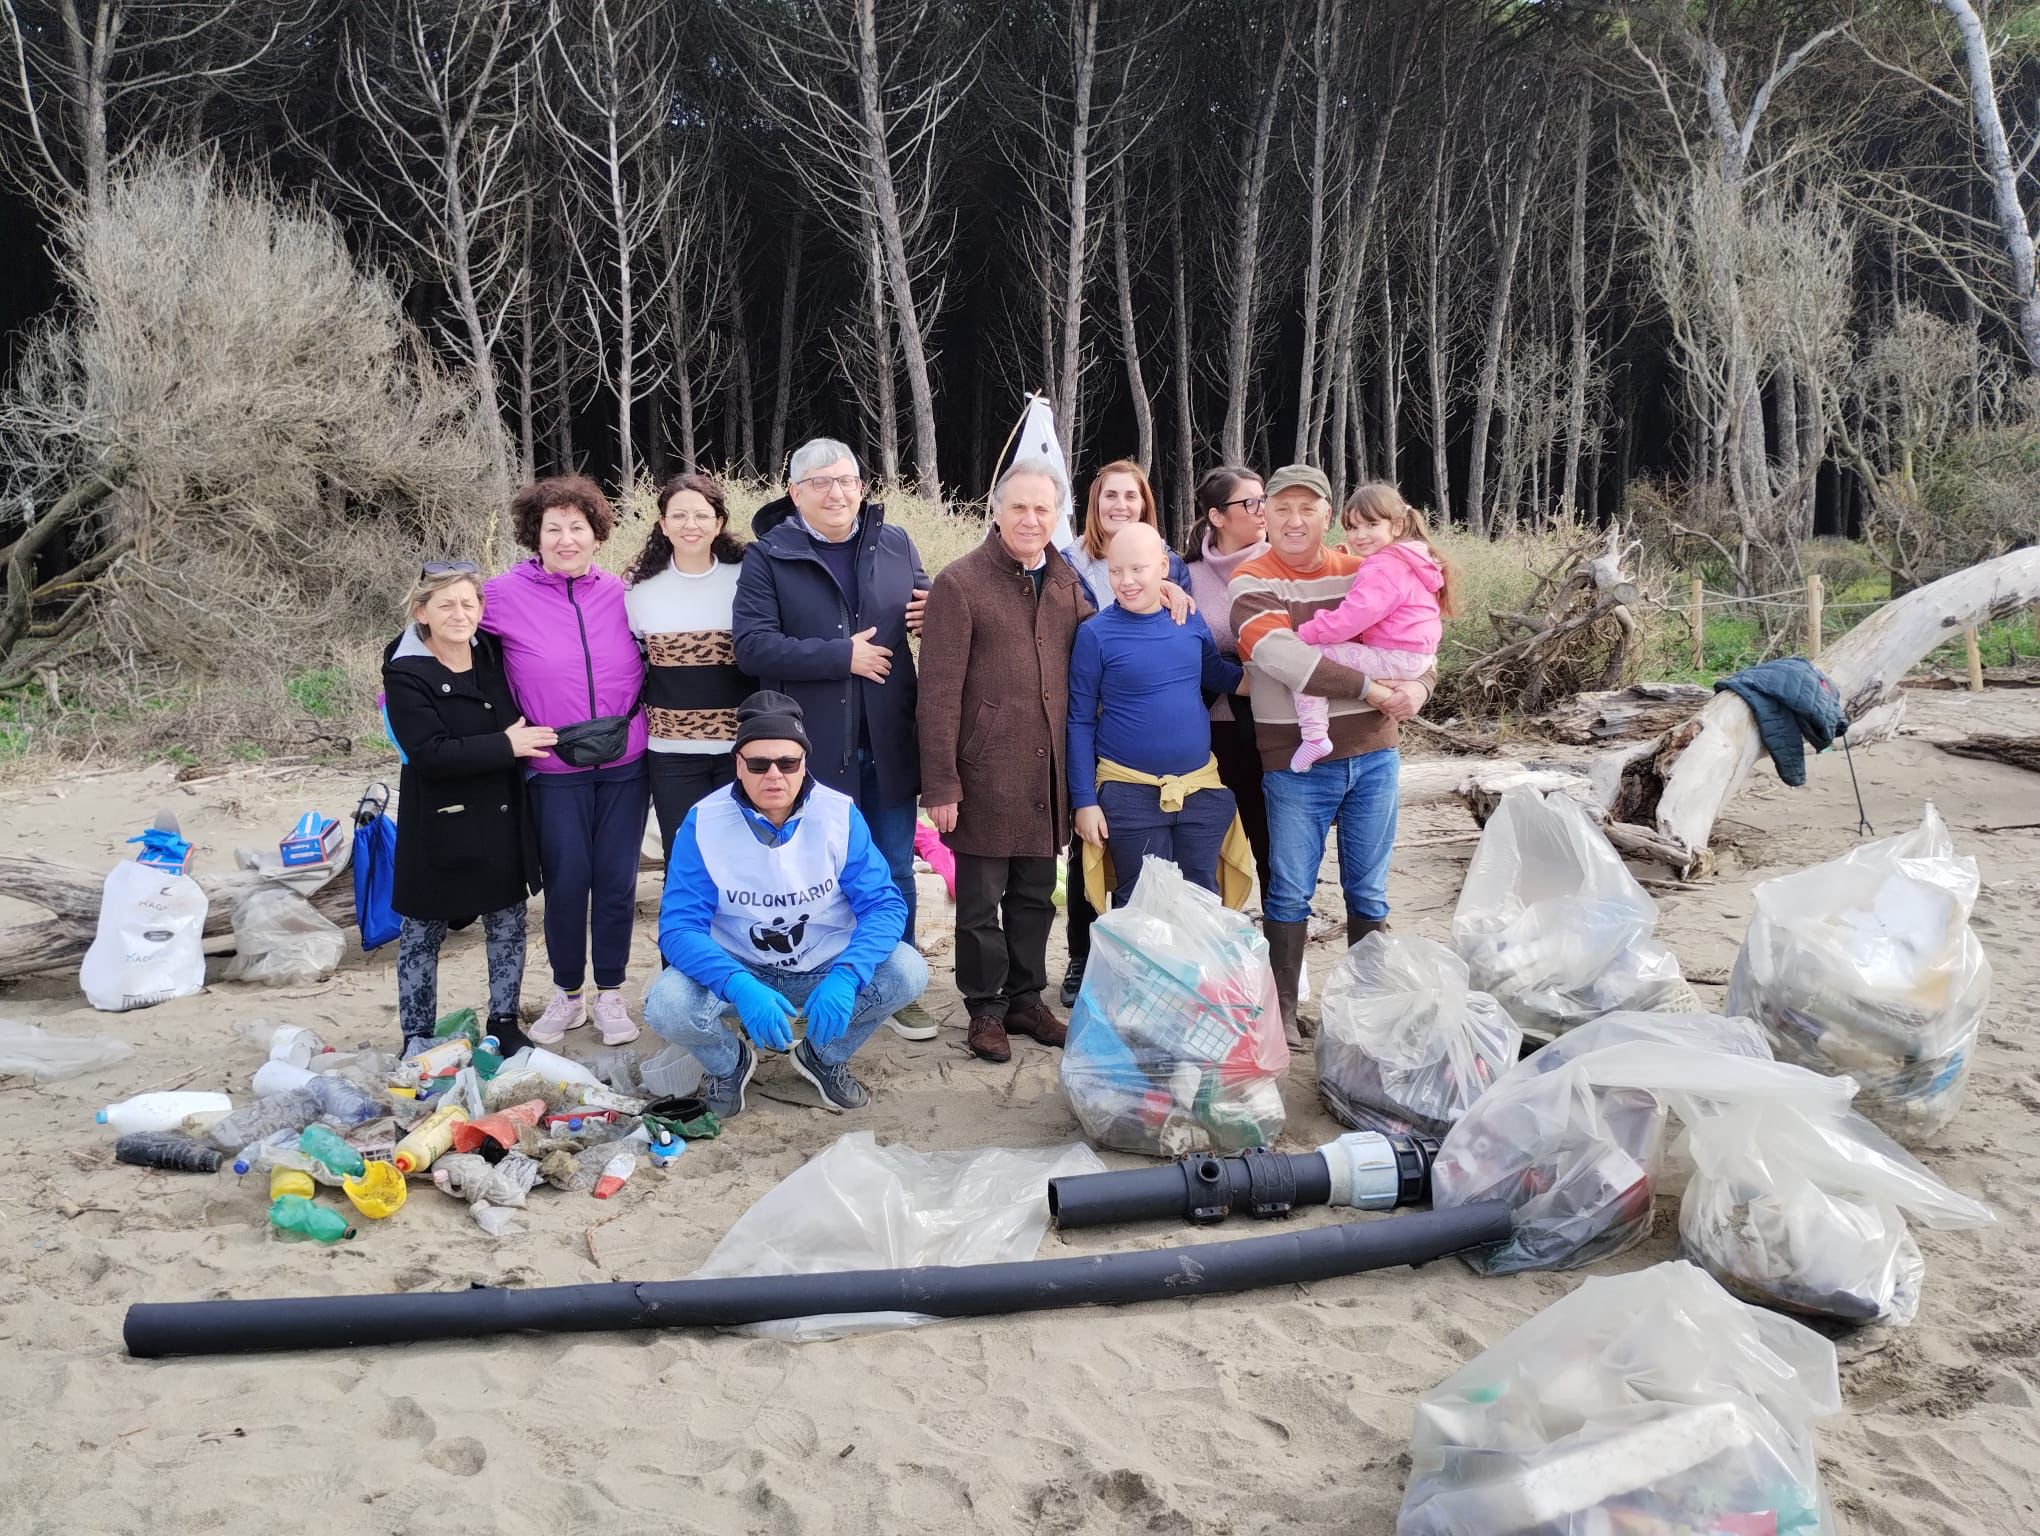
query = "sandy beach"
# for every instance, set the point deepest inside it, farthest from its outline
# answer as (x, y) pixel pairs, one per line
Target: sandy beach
(1274, 1411)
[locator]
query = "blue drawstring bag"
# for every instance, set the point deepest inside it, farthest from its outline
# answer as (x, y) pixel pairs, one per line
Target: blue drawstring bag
(375, 868)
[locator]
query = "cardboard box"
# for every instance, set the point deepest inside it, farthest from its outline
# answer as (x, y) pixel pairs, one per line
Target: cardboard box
(314, 840)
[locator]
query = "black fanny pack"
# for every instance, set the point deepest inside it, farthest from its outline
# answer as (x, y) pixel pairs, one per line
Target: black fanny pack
(592, 743)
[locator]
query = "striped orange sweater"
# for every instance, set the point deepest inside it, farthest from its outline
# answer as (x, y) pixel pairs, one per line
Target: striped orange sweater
(1269, 600)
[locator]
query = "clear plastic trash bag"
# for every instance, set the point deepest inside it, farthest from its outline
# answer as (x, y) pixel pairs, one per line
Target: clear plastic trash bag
(1867, 965)
(1808, 1213)
(149, 946)
(1553, 925)
(1405, 1044)
(1652, 1402)
(1175, 1044)
(26, 1051)
(282, 940)
(1573, 1137)
(858, 1205)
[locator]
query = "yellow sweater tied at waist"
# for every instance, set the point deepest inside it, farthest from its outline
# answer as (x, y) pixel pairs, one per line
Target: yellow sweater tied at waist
(1235, 855)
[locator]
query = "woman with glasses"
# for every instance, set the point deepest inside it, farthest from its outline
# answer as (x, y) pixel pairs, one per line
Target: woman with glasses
(682, 591)
(465, 847)
(575, 666)
(1231, 529)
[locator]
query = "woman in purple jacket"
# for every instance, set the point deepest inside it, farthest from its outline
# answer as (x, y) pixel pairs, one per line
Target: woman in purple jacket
(573, 662)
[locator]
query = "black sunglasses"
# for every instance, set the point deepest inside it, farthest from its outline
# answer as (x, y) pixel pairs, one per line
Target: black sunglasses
(763, 765)
(448, 567)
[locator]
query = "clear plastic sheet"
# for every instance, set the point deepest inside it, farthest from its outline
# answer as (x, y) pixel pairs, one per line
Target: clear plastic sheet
(1652, 1402)
(26, 1051)
(1405, 1044)
(1175, 1044)
(281, 940)
(1808, 1213)
(858, 1205)
(149, 944)
(1553, 925)
(1573, 1137)
(1867, 965)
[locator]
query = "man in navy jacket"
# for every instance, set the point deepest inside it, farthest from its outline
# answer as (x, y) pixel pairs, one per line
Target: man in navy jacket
(825, 602)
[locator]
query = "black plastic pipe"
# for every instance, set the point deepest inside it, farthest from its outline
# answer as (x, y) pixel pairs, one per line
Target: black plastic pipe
(1395, 1170)
(156, 1329)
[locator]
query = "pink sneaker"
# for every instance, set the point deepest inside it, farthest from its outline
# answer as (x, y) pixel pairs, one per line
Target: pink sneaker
(1308, 753)
(561, 1014)
(612, 1018)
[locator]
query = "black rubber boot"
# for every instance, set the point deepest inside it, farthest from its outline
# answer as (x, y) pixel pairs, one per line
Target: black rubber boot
(1285, 956)
(1358, 927)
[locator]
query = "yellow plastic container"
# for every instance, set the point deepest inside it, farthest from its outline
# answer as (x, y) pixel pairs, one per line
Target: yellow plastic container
(290, 1181)
(379, 1192)
(430, 1138)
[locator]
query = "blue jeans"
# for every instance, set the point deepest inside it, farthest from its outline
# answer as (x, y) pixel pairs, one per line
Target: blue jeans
(1138, 829)
(892, 832)
(1360, 794)
(684, 1013)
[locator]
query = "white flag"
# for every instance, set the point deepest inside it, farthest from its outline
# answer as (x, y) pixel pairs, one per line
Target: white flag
(1036, 439)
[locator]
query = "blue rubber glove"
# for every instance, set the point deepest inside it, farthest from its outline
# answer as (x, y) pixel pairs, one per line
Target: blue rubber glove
(829, 1007)
(767, 1017)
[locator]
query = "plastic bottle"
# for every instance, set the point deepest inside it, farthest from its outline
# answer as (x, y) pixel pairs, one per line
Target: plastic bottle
(294, 1219)
(554, 1068)
(443, 1059)
(461, 1024)
(667, 1150)
(378, 1191)
(279, 1150)
(167, 1149)
(274, 1077)
(255, 1122)
(428, 1140)
(614, 1172)
(346, 1101)
(161, 1111)
(323, 1146)
(290, 1181)
(295, 1044)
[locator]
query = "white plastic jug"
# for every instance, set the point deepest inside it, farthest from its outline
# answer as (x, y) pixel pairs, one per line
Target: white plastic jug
(276, 1076)
(160, 1111)
(149, 945)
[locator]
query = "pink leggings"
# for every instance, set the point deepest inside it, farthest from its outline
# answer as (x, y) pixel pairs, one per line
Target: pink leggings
(1313, 714)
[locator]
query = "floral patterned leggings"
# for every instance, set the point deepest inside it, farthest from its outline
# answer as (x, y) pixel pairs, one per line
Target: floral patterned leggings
(418, 944)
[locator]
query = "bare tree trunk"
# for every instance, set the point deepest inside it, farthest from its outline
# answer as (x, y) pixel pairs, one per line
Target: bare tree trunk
(782, 382)
(1391, 364)
(1576, 281)
(1437, 356)
(1185, 497)
(1325, 41)
(885, 408)
(563, 402)
(1997, 166)
(1513, 217)
(1129, 335)
(1245, 243)
(1335, 465)
(527, 345)
(742, 406)
(1076, 247)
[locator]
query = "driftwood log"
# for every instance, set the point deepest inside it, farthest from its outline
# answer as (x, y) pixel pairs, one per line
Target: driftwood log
(2013, 751)
(1622, 714)
(1678, 787)
(1576, 632)
(70, 892)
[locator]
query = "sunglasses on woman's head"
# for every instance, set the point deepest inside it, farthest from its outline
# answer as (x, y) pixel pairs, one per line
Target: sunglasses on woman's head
(763, 765)
(448, 567)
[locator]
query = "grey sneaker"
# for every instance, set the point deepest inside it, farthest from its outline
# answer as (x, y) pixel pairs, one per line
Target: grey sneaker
(839, 1090)
(912, 1022)
(725, 1095)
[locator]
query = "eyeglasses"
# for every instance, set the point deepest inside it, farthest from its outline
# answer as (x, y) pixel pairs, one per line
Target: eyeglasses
(820, 484)
(1251, 503)
(685, 518)
(764, 765)
(449, 567)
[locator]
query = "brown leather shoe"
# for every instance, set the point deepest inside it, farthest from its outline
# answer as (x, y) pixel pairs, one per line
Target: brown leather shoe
(1037, 1023)
(988, 1038)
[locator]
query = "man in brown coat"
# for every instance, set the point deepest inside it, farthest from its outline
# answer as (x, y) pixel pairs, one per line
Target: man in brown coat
(995, 662)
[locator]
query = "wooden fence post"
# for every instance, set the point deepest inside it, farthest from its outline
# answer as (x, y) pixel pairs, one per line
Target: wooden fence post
(1813, 607)
(1974, 657)
(1699, 617)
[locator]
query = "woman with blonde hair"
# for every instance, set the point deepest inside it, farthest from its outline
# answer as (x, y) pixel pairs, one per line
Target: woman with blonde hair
(465, 843)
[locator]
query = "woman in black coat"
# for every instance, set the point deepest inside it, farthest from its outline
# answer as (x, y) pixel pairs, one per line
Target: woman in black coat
(465, 844)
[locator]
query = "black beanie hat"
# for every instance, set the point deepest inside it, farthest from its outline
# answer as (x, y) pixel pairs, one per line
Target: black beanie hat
(769, 716)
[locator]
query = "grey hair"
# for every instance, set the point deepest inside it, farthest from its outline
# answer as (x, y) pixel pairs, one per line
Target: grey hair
(816, 453)
(1021, 467)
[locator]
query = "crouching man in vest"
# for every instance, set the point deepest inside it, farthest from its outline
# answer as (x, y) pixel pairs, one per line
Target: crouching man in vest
(778, 905)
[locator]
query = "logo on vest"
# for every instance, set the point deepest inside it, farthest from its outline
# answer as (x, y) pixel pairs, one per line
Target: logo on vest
(778, 937)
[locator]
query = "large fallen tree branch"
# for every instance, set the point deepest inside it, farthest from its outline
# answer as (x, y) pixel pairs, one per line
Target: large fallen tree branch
(1584, 637)
(1678, 788)
(2013, 751)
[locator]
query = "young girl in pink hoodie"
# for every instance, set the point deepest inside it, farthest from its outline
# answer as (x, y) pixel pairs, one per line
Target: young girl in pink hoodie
(1388, 623)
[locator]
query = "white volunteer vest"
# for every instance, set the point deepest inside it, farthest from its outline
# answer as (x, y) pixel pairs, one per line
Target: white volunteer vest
(782, 908)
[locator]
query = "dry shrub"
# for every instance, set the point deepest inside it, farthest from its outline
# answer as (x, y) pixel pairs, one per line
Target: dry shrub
(277, 445)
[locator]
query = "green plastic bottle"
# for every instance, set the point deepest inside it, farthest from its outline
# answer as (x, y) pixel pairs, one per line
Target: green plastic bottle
(322, 1146)
(296, 1220)
(462, 1023)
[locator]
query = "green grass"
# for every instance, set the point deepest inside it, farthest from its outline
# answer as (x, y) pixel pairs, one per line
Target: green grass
(317, 692)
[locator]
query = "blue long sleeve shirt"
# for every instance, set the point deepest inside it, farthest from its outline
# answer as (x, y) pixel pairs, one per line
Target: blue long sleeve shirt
(1137, 686)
